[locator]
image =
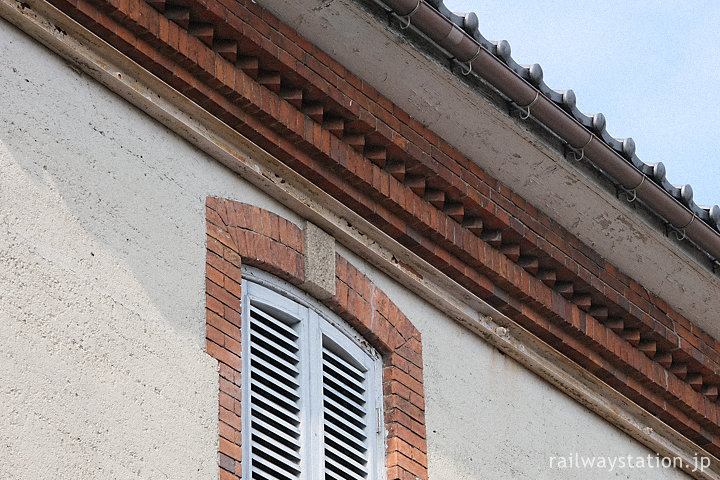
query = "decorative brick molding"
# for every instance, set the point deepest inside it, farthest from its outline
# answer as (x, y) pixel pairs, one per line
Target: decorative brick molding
(257, 75)
(238, 233)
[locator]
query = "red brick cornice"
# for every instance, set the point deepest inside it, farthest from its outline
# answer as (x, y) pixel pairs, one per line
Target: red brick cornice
(239, 233)
(259, 77)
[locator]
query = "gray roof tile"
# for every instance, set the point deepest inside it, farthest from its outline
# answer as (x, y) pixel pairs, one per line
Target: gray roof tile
(595, 123)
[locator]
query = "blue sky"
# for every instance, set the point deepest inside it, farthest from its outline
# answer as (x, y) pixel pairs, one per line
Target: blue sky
(650, 67)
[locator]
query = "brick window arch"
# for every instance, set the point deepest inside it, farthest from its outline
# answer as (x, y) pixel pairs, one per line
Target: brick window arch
(241, 234)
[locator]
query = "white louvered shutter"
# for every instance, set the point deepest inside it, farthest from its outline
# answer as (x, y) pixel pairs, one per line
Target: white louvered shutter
(275, 430)
(310, 391)
(345, 415)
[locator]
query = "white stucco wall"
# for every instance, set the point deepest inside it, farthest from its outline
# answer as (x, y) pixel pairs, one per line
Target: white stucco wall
(490, 418)
(102, 366)
(103, 372)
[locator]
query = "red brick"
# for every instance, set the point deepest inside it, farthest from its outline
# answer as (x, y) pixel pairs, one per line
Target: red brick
(230, 449)
(406, 463)
(233, 287)
(229, 433)
(226, 475)
(222, 295)
(223, 355)
(215, 335)
(214, 275)
(416, 439)
(230, 374)
(231, 388)
(214, 305)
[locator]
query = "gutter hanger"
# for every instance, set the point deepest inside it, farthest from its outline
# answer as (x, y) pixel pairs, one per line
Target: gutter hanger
(585, 134)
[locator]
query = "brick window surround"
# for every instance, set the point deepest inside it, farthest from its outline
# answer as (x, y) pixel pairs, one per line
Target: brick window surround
(238, 233)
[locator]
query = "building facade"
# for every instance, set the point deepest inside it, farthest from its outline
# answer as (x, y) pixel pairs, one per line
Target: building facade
(237, 242)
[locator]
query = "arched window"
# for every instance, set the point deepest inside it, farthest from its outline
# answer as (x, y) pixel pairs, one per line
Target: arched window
(312, 394)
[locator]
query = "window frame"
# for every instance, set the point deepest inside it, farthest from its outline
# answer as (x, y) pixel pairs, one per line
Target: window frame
(316, 321)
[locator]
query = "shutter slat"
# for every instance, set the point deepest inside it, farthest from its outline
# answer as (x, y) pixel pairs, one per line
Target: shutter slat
(274, 338)
(344, 413)
(261, 463)
(276, 446)
(272, 330)
(284, 436)
(339, 373)
(348, 441)
(278, 462)
(346, 459)
(271, 377)
(344, 365)
(271, 343)
(344, 425)
(344, 471)
(351, 398)
(270, 320)
(288, 365)
(357, 458)
(284, 406)
(268, 367)
(258, 474)
(257, 409)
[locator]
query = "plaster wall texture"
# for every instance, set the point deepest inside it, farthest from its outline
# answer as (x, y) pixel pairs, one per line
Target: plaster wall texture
(103, 372)
(489, 417)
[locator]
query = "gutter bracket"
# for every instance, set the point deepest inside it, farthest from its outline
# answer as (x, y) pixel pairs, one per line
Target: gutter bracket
(406, 18)
(679, 232)
(469, 64)
(631, 194)
(581, 150)
(524, 110)
(577, 154)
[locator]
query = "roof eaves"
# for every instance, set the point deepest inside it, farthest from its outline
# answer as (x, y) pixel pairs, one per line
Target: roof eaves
(460, 36)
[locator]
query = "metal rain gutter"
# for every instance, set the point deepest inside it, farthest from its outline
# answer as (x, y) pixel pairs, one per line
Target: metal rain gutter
(482, 59)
